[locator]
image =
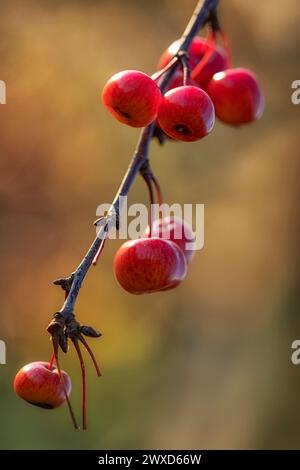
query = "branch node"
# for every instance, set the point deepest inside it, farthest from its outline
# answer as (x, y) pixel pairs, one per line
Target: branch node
(72, 328)
(65, 282)
(56, 329)
(145, 171)
(182, 54)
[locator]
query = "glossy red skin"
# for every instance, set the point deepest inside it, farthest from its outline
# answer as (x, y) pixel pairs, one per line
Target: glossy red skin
(132, 97)
(177, 81)
(237, 96)
(186, 113)
(176, 230)
(149, 265)
(199, 47)
(40, 386)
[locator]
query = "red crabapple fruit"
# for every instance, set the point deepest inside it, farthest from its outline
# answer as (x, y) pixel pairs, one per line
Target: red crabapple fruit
(40, 386)
(132, 97)
(186, 113)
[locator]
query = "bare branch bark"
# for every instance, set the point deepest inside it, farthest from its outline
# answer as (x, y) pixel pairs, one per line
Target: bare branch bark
(200, 16)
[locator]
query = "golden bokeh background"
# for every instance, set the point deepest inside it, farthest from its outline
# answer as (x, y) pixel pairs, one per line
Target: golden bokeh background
(207, 365)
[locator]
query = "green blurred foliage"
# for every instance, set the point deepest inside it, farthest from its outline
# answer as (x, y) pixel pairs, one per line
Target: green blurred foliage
(207, 365)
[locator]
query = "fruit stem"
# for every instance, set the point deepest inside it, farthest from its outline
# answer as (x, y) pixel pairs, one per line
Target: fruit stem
(158, 190)
(149, 181)
(87, 347)
(51, 362)
(216, 29)
(73, 418)
(186, 71)
(211, 42)
(226, 47)
(78, 350)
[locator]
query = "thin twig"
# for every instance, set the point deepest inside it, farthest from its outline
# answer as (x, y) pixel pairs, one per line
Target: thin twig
(97, 256)
(199, 18)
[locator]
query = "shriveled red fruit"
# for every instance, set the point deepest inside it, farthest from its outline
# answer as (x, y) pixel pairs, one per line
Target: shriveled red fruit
(198, 49)
(176, 230)
(40, 386)
(186, 113)
(149, 265)
(132, 97)
(237, 96)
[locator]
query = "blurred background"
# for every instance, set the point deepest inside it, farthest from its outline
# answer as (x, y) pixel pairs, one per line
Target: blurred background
(207, 365)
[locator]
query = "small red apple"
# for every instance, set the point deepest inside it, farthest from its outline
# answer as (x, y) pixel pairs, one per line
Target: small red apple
(40, 386)
(186, 113)
(176, 230)
(149, 265)
(237, 96)
(132, 97)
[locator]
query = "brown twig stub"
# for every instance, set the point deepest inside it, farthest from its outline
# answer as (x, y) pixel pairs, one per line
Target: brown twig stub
(65, 283)
(56, 329)
(89, 331)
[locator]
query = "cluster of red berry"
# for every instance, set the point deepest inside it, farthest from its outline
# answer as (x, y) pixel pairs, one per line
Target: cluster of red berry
(187, 110)
(205, 85)
(157, 261)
